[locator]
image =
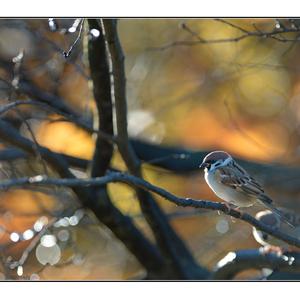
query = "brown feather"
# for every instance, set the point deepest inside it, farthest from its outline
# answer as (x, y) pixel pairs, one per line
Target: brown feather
(236, 177)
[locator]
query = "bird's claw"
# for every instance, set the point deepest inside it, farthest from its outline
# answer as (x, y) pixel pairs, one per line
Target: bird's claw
(272, 249)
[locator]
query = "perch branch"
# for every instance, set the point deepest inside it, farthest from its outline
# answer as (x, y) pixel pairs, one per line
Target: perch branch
(131, 180)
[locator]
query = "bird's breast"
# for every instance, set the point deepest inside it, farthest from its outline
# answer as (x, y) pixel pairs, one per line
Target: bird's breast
(227, 193)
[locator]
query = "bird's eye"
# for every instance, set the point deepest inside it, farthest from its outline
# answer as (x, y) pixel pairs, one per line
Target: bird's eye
(265, 236)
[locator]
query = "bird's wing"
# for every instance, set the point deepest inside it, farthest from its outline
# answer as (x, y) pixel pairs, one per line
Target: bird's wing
(234, 176)
(292, 216)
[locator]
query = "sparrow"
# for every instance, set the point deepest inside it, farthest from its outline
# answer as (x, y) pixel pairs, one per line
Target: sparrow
(272, 220)
(230, 182)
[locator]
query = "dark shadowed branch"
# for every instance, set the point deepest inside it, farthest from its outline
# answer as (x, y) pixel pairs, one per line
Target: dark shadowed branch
(66, 116)
(27, 87)
(11, 136)
(183, 161)
(122, 223)
(122, 226)
(280, 177)
(180, 260)
(101, 88)
(236, 262)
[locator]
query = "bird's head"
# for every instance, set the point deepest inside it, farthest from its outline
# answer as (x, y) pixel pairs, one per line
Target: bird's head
(215, 159)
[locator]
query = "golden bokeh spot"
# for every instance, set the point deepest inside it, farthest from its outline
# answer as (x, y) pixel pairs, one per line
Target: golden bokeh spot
(26, 201)
(264, 92)
(65, 137)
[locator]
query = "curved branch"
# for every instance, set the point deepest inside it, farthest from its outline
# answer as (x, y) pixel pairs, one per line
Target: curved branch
(236, 262)
(131, 180)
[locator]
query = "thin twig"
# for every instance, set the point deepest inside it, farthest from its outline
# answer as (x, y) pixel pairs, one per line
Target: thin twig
(274, 34)
(68, 53)
(185, 27)
(32, 245)
(232, 25)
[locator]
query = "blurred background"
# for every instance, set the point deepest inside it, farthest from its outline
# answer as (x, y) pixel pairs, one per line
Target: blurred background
(239, 96)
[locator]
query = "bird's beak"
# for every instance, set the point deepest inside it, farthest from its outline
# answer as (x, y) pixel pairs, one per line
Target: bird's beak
(203, 165)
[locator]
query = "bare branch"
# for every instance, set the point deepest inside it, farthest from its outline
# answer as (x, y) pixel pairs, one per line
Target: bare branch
(68, 53)
(32, 245)
(169, 243)
(128, 179)
(185, 27)
(29, 88)
(122, 226)
(11, 154)
(12, 136)
(119, 91)
(232, 25)
(280, 177)
(67, 117)
(276, 33)
(102, 93)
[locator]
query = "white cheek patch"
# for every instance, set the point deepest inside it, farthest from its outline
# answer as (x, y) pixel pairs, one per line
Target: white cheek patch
(220, 164)
(227, 161)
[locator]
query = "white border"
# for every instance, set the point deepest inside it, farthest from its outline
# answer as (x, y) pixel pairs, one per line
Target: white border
(150, 8)
(149, 290)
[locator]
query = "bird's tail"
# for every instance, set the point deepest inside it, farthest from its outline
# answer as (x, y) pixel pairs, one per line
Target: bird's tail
(267, 201)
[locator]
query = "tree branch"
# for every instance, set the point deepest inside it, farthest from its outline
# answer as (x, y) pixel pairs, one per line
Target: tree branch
(12, 136)
(280, 177)
(101, 88)
(184, 162)
(122, 226)
(180, 260)
(101, 204)
(11, 154)
(29, 88)
(275, 33)
(236, 262)
(131, 180)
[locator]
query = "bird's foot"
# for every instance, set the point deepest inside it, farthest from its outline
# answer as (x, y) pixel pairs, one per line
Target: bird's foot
(230, 206)
(273, 249)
